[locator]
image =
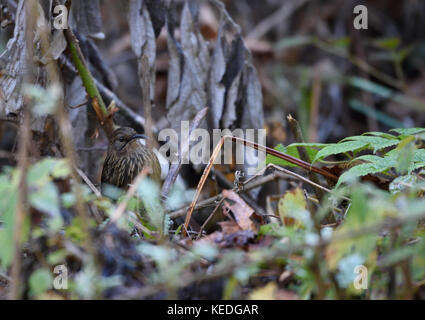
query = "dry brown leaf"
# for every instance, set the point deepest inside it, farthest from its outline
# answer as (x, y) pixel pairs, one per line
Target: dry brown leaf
(230, 236)
(241, 211)
(229, 227)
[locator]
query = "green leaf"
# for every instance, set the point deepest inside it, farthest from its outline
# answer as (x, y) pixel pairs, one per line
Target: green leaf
(419, 156)
(380, 134)
(46, 199)
(7, 214)
(418, 160)
(272, 229)
(406, 150)
(337, 148)
(76, 231)
(291, 42)
(311, 149)
(360, 213)
(370, 86)
(61, 169)
(387, 43)
(375, 88)
(44, 99)
(293, 205)
(376, 143)
(57, 256)
(40, 281)
(43, 171)
(368, 111)
(404, 53)
(402, 183)
(408, 131)
(364, 169)
(148, 191)
(343, 42)
(387, 161)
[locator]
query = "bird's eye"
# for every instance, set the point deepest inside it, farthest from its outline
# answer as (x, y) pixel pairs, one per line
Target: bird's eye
(121, 140)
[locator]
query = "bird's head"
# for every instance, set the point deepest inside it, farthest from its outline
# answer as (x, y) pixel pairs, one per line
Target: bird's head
(124, 140)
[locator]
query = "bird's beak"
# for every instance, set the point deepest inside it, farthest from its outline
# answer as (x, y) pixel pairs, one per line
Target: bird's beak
(138, 136)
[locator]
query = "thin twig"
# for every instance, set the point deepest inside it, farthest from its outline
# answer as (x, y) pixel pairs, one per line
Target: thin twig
(201, 204)
(224, 183)
(202, 182)
(89, 183)
(209, 218)
(314, 106)
(276, 18)
(302, 164)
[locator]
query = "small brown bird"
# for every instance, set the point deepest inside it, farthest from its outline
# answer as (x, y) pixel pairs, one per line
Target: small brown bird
(127, 157)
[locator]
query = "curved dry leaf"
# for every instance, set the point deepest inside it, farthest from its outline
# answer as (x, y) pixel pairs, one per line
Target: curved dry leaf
(241, 211)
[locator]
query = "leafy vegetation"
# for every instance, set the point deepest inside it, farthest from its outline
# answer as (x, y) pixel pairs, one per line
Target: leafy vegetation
(352, 227)
(380, 229)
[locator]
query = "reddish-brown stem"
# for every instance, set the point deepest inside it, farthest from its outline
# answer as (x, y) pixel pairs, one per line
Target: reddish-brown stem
(305, 165)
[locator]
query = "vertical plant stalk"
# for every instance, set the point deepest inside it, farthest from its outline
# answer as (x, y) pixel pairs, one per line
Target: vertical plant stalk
(201, 183)
(298, 136)
(23, 161)
(65, 134)
(22, 206)
(408, 282)
(314, 106)
(315, 268)
(317, 258)
(102, 113)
